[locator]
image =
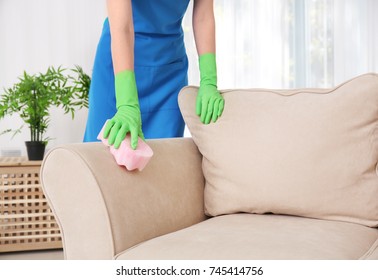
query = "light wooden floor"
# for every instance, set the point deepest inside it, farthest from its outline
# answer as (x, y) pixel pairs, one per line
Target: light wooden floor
(34, 255)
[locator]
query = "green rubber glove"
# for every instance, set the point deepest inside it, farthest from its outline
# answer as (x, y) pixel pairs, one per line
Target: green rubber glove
(209, 103)
(128, 118)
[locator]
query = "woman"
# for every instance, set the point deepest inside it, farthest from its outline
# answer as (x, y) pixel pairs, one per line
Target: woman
(141, 65)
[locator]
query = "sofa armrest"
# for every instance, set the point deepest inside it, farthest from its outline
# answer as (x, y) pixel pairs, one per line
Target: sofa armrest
(103, 209)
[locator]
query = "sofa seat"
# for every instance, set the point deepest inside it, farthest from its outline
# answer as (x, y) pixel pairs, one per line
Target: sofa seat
(250, 236)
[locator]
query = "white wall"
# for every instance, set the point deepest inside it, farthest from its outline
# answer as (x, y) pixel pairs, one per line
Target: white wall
(260, 43)
(40, 33)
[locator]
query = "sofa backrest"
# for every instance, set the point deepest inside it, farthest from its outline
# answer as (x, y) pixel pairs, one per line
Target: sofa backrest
(306, 152)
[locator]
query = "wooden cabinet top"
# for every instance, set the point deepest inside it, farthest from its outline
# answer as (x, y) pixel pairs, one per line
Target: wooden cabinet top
(18, 161)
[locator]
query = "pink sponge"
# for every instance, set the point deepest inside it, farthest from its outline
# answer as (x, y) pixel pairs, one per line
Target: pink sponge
(125, 155)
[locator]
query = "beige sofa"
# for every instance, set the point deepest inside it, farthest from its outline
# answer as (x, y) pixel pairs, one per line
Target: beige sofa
(281, 175)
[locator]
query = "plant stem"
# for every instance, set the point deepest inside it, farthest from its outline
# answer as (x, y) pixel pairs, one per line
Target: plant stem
(35, 109)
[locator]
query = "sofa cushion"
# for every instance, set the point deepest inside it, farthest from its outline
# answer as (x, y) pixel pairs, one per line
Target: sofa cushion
(249, 236)
(307, 152)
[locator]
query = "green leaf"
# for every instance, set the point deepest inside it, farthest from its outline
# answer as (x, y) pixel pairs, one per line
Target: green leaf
(33, 96)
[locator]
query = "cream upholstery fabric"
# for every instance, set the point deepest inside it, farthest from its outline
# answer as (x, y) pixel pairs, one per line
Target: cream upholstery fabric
(102, 209)
(310, 152)
(249, 236)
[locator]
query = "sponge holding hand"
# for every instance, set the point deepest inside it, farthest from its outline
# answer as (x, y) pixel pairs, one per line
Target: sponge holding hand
(126, 156)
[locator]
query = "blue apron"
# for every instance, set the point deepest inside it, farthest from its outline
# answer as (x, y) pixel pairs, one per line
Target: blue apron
(161, 67)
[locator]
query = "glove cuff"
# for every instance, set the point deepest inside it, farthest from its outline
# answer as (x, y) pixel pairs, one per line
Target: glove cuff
(125, 89)
(208, 69)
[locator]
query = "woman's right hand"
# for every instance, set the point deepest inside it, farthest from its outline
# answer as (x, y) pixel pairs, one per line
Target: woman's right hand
(128, 117)
(126, 120)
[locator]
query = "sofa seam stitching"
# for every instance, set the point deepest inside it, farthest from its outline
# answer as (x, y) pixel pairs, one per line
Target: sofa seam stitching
(370, 251)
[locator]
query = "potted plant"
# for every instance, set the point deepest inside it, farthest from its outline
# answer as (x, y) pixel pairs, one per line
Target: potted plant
(33, 96)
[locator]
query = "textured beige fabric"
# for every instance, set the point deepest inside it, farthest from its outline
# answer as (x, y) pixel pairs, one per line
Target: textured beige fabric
(372, 254)
(249, 236)
(77, 203)
(310, 152)
(104, 209)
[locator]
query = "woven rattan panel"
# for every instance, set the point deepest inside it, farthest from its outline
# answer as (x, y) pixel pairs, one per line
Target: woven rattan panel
(26, 221)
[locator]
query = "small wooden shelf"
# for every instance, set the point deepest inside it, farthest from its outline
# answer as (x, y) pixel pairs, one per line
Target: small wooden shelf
(26, 220)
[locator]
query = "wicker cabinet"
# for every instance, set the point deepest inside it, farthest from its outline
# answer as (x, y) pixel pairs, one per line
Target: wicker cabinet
(26, 220)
